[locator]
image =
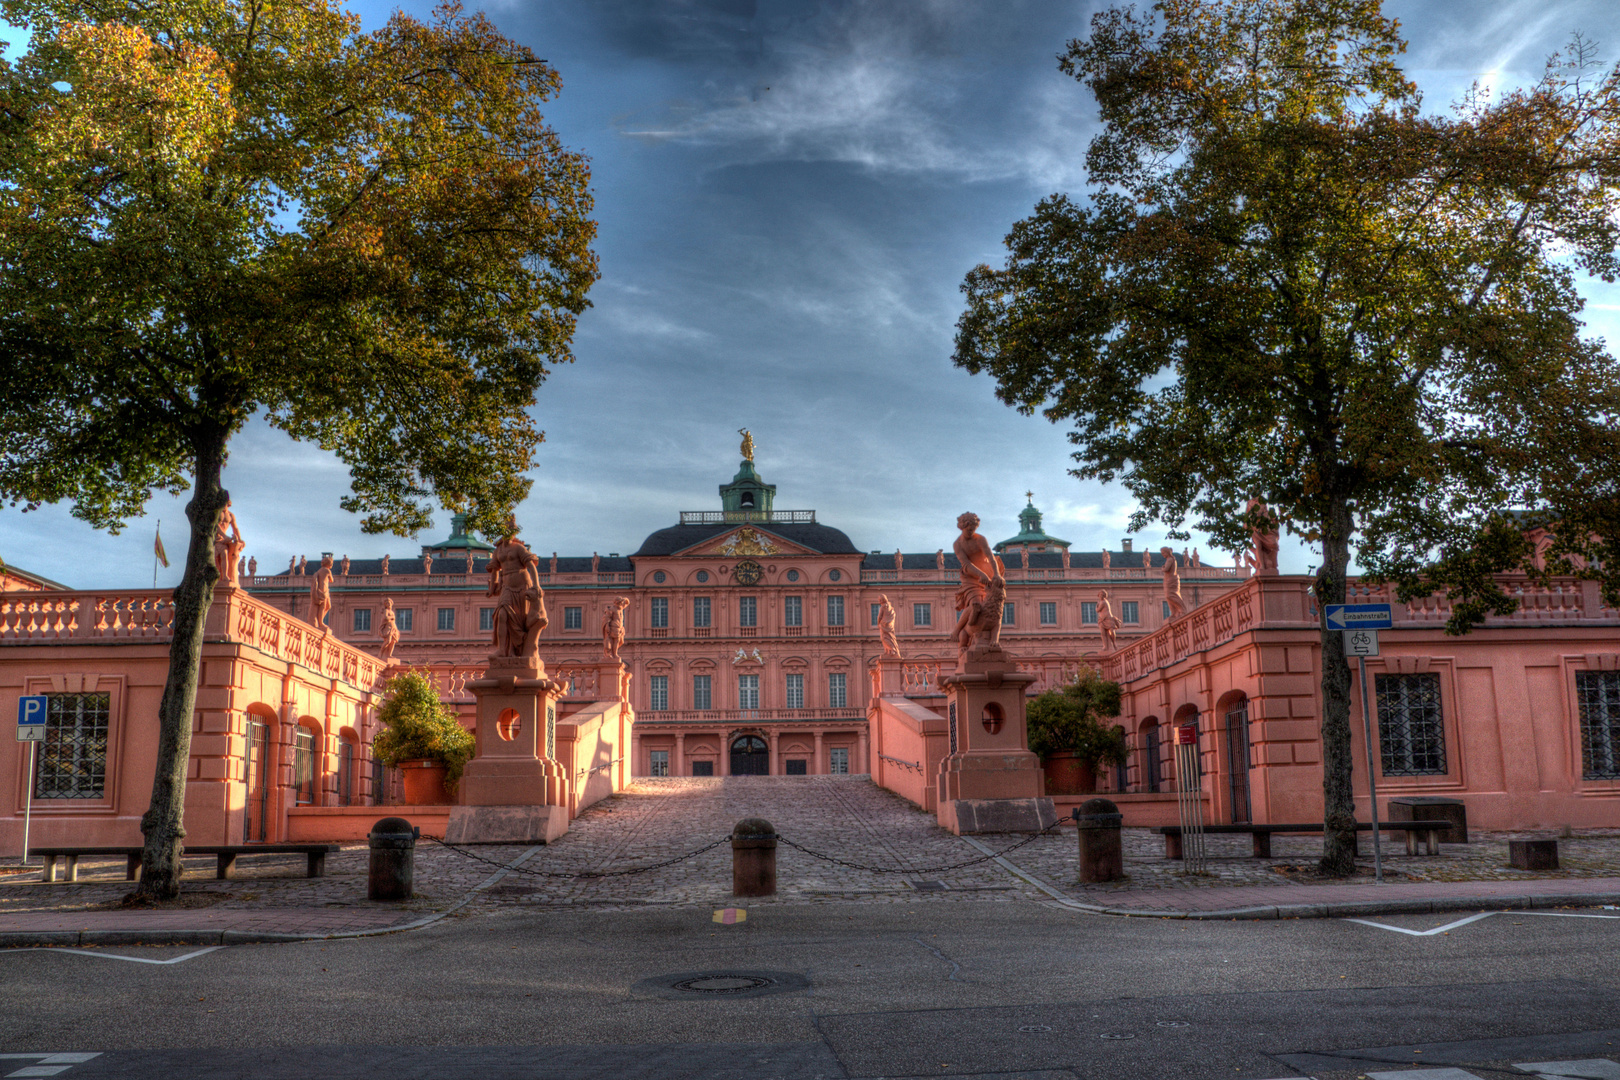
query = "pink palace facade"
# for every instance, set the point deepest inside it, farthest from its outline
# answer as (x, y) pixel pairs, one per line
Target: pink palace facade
(750, 629)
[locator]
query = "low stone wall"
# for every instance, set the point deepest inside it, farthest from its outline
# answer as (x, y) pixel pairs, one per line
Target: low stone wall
(346, 824)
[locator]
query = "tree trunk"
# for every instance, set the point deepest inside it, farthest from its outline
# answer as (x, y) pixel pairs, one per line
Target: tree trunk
(163, 824)
(1338, 792)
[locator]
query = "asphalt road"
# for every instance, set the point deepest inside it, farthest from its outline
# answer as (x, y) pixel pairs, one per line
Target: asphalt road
(879, 990)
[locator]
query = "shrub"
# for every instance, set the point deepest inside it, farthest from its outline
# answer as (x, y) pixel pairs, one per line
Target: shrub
(1070, 719)
(417, 725)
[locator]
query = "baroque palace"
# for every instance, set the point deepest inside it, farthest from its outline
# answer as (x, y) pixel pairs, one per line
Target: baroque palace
(749, 630)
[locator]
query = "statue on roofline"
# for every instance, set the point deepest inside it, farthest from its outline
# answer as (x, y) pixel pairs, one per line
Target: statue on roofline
(747, 444)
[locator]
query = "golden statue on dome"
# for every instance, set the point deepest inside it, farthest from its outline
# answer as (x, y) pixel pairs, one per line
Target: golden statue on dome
(747, 444)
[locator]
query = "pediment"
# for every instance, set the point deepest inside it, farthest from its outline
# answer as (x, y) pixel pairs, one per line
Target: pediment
(745, 542)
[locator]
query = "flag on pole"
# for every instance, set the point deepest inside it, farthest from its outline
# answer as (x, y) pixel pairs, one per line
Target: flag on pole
(157, 546)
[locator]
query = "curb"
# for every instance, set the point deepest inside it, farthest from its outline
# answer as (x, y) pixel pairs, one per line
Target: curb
(1361, 908)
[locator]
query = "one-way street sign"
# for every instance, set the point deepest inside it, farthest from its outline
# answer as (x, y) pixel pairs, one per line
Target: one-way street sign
(1358, 617)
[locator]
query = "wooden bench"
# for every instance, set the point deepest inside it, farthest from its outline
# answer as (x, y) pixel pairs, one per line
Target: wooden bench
(1425, 832)
(226, 854)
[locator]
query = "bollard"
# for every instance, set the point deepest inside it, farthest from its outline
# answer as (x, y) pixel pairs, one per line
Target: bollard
(1101, 857)
(753, 858)
(393, 860)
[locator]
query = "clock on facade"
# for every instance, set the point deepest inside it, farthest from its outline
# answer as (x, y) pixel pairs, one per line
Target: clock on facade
(748, 572)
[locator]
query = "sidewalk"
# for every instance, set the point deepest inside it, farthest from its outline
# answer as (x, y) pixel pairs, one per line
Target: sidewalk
(889, 853)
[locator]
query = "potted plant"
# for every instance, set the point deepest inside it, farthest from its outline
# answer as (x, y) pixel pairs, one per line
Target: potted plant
(1066, 732)
(422, 738)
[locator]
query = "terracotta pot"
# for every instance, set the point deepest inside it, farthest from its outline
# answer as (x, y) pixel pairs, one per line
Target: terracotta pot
(1068, 775)
(424, 782)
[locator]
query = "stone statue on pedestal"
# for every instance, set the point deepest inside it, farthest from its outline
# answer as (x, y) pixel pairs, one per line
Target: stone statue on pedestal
(886, 633)
(1261, 558)
(228, 545)
(983, 592)
(390, 631)
(1172, 584)
(520, 606)
(320, 594)
(1107, 621)
(613, 627)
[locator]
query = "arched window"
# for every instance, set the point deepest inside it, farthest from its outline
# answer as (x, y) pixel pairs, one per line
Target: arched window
(303, 777)
(348, 777)
(1235, 719)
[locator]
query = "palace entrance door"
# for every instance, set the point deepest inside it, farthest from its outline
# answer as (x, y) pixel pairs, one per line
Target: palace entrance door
(750, 757)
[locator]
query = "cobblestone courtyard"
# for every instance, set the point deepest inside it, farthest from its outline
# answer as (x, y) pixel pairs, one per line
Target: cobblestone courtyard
(846, 817)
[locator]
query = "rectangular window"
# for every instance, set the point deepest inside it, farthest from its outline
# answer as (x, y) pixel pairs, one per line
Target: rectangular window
(447, 618)
(1048, 613)
(837, 698)
(701, 697)
(796, 767)
(1088, 611)
(793, 611)
(922, 615)
(362, 620)
(702, 768)
(1411, 735)
(1164, 610)
(1129, 612)
(700, 611)
(660, 612)
(658, 687)
(304, 767)
(838, 760)
(1597, 694)
(877, 614)
(486, 619)
(1009, 616)
(795, 691)
(835, 611)
(405, 620)
(1150, 755)
(345, 777)
(72, 761)
(573, 618)
(747, 611)
(748, 692)
(658, 763)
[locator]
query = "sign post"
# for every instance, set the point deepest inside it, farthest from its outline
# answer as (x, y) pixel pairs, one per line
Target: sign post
(31, 712)
(1189, 798)
(1361, 623)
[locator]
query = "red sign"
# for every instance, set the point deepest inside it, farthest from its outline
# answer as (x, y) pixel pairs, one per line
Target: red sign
(1187, 735)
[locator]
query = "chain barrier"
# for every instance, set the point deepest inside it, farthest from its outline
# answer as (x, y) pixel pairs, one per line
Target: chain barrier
(578, 875)
(1030, 839)
(575, 874)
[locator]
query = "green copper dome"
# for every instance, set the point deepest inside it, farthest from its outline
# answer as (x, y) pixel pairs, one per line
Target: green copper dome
(460, 539)
(1030, 533)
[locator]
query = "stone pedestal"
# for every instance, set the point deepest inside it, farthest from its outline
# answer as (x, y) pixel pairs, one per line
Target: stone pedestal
(513, 791)
(989, 781)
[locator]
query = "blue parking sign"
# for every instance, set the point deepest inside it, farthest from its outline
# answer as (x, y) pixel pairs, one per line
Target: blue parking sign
(31, 718)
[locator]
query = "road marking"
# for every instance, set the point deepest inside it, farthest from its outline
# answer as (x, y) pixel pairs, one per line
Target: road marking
(1585, 1069)
(49, 1064)
(1476, 918)
(114, 956)
(730, 916)
(1425, 1074)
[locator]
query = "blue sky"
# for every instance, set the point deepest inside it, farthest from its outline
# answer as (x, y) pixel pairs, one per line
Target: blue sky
(789, 194)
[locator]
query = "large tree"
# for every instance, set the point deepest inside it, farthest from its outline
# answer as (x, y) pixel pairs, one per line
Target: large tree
(217, 210)
(1290, 281)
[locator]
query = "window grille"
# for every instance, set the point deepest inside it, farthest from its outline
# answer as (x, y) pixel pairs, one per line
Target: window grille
(345, 776)
(1048, 613)
(702, 768)
(700, 611)
(659, 687)
(1131, 613)
(835, 611)
(304, 767)
(362, 620)
(1150, 756)
(795, 691)
(922, 614)
(73, 758)
(658, 762)
(702, 698)
(747, 611)
(796, 767)
(1411, 734)
(447, 618)
(660, 612)
(837, 698)
(1598, 695)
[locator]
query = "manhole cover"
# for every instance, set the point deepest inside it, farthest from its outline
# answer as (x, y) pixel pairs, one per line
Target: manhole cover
(719, 985)
(723, 984)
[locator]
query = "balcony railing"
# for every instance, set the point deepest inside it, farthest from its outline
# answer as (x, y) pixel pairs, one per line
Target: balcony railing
(743, 716)
(726, 517)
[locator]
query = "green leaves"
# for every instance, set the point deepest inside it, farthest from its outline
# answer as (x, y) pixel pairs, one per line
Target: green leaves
(1069, 719)
(416, 725)
(216, 208)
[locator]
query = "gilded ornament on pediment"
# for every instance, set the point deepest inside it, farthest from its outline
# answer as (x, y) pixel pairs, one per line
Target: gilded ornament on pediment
(748, 542)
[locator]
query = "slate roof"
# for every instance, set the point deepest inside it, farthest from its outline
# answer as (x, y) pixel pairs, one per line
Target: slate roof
(821, 539)
(1041, 560)
(457, 564)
